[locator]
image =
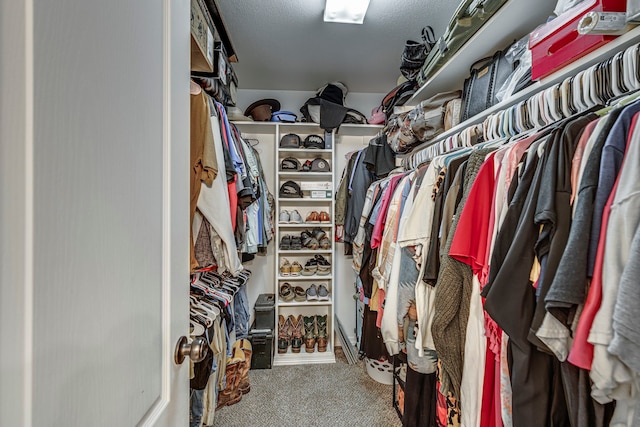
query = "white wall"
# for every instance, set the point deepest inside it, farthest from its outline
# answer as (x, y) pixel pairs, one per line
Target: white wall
(292, 100)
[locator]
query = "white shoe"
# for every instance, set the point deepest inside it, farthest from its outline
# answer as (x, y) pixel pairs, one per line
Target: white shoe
(284, 216)
(295, 217)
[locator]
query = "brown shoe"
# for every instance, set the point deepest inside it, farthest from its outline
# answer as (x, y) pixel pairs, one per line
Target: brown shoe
(313, 218)
(324, 217)
(297, 331)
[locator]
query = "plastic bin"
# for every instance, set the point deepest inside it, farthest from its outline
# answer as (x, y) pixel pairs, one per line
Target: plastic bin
(262, 345)
(265, 312)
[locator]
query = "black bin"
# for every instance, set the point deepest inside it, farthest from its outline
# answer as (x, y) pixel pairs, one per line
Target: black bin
(262, 345)
(265, 312)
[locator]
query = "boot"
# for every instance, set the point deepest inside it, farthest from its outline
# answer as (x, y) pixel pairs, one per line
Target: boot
(309, 333)
(321, 337)
(245, 345)
(284, 334)
(297, 331)
(231, 394)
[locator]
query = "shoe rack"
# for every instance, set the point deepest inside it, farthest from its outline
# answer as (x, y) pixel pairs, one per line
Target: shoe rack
(317, 200)
(266, 137)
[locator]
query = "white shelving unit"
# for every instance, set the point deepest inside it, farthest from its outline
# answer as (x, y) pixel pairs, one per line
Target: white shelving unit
(269, 134)
(305, 205)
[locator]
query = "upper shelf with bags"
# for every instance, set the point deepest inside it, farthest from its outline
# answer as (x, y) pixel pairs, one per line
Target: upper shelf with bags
(477, 29)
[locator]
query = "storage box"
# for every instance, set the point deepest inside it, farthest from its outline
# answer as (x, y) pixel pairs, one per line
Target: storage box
(558, 43)
(265, 312)
(315, 185)
(202, 39)
(262, 348)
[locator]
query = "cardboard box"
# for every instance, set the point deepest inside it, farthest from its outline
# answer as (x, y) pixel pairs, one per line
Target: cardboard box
(202, 39)
(314, 185)
(558, 43)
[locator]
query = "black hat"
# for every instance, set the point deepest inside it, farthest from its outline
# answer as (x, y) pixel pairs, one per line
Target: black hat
(314, 141)
(290, 164)
(263, 109)
(290, 189)
(290, 140)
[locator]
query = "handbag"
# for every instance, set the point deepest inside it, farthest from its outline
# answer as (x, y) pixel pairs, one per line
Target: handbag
(486, 76)
(426, 121)
(415, 53)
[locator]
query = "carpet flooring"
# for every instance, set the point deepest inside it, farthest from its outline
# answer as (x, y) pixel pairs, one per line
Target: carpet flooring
(312, 396)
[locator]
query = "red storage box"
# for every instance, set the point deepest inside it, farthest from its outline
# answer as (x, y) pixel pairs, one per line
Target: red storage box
(558, 43)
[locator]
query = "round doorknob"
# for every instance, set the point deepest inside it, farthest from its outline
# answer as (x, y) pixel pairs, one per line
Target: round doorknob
(195, 350)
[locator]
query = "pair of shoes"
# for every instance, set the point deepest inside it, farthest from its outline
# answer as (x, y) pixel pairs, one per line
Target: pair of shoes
(316, 265)
(317, 293)
(290, 269)
(290, 243)
(316, 218)
(315, 332)
(292, 217)
(290, 332)
(315, 239)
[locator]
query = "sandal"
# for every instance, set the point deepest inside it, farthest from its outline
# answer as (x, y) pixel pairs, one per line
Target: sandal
(296, 268)
(324, 267)
(310, 268)
(325, 243)
(285, 268)
(319, 233)
(286, 292)
(308, 241)
(299, 294)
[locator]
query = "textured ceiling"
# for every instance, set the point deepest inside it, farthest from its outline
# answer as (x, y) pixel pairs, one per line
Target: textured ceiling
(285, 45)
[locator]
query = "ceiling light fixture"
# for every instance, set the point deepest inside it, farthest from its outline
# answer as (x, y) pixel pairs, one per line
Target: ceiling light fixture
(345, 11)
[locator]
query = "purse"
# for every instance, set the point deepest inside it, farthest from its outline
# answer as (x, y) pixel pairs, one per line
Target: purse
(426, 121)
(486, 76)
(415, 53)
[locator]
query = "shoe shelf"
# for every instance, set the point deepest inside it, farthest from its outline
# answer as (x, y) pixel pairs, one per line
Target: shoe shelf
(306, 225)
(305, 206)
(303, 151)
(306, 175)
(290, 358)
(303, 200)
(305, 251)
(303, 303)
(315, 277)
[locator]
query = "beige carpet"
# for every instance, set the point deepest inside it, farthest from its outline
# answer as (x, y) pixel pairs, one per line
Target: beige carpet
(312, 396)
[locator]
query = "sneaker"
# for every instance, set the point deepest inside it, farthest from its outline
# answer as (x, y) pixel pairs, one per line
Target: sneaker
(284, 216)
(312, 293)
(285, 268)
(324, 267)
(296, 268)
(323, 293)
(285, 243)
(296, 243)
(295, 217)
(308, 241)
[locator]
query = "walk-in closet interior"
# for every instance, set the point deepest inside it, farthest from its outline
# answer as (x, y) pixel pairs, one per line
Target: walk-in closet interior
(401, 213)
(452, 201)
